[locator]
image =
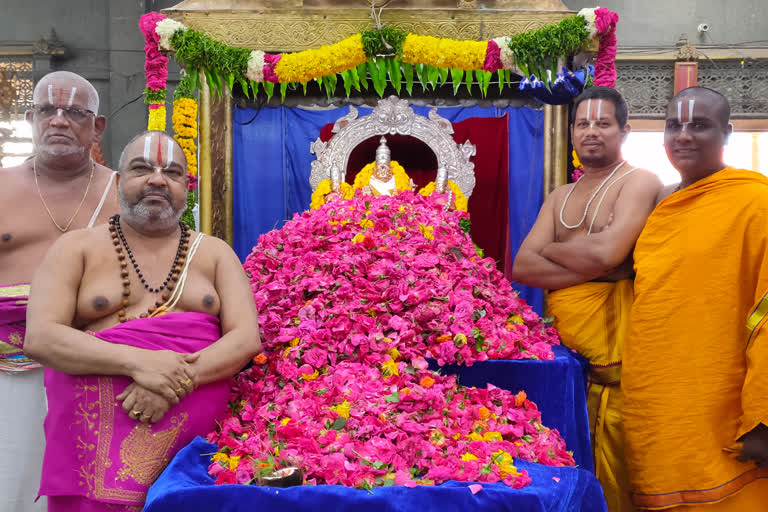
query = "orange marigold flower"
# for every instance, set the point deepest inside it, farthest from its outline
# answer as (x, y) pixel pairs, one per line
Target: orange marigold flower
(444, 338)
(405, 391)
(427, 382)
(520, 399)
(260, 359)
(483, 413)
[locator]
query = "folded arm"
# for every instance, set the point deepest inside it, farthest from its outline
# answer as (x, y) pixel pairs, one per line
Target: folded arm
(599, 253)
(240, 339)
(532, 268)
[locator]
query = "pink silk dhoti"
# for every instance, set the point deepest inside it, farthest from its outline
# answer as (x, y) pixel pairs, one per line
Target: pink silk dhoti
(97, 458)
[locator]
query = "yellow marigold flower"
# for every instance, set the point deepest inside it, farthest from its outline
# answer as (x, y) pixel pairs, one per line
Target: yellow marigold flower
(366, 223)
(459, 199)
(220, 457)
(460, 339)
(492, 436)
(277, 451)
(358, 239)
(576, 161)
(342, 409)
(390, 367)
(515, 319)
(311, 376)
(474, 436)
(427, 231)
(427, 382)
(326, 60)
(293, 342)
(156, 120)
(285, 421)
(468, 456)
(233, 463)
(393, 353)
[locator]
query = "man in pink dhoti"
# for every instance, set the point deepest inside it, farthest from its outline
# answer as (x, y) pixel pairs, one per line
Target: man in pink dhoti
(59, 189)
(140, 324)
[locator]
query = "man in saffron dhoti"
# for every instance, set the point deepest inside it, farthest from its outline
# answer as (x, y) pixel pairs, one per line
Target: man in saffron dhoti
(60, 189)
(140, 323)
(581, 248)
(695, 377)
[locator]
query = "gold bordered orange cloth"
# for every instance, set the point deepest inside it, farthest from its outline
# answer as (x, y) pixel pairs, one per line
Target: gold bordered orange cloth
(695, 376)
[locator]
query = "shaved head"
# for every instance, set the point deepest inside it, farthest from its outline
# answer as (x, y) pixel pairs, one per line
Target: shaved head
(123, 162)
(722, 108)
(68, 81)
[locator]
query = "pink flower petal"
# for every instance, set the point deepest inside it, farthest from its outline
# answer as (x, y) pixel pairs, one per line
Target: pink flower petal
(475, 488)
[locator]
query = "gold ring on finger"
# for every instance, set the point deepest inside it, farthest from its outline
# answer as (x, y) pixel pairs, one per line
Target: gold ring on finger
(136, 413)
(145, 416)
(186, 382)
(178, 391)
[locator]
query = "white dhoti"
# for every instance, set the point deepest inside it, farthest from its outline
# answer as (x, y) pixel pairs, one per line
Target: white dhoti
(22, 411)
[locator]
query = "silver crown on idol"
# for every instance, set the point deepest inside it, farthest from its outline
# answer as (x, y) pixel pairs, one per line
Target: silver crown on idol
(383, 154)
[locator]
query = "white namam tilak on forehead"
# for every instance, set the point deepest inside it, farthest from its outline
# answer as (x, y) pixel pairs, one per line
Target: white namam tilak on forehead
(685, 112)
(72, 96)
(170, 153)
(50, 94)
(147, 147)
(594, 116)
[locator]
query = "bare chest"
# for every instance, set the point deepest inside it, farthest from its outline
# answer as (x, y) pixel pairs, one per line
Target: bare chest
(584, 209)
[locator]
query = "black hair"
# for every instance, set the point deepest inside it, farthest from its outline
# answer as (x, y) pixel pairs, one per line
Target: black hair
(604, 93)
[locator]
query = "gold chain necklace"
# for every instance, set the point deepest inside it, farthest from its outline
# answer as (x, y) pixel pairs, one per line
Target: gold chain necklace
(39, 193)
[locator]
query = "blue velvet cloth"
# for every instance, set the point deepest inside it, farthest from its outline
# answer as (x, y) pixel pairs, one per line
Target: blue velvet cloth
(272, 162)
(557, 387)
(185, 486)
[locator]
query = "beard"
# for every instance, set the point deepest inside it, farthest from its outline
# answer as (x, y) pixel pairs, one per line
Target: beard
(59, 151)
(139, 214)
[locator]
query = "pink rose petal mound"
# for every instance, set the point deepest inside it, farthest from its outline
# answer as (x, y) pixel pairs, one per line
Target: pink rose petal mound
(352, 297)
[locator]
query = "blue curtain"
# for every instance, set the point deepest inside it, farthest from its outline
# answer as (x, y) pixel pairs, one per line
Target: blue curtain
(272, 163)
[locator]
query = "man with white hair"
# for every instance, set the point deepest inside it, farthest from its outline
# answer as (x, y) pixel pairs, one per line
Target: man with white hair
(60, 189)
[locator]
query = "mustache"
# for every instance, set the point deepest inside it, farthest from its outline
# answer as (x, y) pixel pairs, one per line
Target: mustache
(156, 191)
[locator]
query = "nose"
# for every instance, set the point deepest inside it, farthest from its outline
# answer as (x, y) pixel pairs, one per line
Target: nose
(157, 178)
(592, 128)
(684, 134)
(59, 119)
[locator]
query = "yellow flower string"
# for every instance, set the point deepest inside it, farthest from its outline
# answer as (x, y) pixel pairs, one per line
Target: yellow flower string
(185, 125)
(444, 53)
(576, 161)
(460, 200)
(402, 181)
(323, 189)
(326, 60)
(156, 120)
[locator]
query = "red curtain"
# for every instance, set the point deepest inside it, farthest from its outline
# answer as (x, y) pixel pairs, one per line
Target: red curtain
(489, 203)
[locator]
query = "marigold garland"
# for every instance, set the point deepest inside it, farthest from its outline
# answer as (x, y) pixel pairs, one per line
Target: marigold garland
(460, 200)
(578, 168)
(402, 181)
(444, 53)
(324, 188)
(327, 60)
(156, 120)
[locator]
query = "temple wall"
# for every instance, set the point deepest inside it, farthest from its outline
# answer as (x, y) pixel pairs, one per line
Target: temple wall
(105, 44)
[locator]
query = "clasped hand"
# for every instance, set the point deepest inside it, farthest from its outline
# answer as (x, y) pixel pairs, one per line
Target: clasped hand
(755, 446)
(161, 379)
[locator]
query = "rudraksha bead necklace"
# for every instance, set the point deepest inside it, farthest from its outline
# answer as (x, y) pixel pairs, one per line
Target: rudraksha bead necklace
(119, 242)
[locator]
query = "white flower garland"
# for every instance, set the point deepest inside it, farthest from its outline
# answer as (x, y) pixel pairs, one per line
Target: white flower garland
(507, 56)
(165, 29)
(589, 15)
(255, 66)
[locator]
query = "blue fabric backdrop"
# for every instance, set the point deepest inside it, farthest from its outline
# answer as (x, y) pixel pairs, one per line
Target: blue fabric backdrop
(558, 388)
(186, 486)
(272, 163)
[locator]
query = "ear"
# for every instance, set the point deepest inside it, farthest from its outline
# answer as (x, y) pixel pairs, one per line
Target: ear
(99, 125)
(28, 116)
(627, 130)
(728, 132)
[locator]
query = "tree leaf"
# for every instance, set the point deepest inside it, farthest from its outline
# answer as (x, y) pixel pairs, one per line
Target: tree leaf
(230, 78)
(209, 81)
(304, 87)
(338, 424)
(378, 69)
(254, 88)
(244, 86)
(443, 75)
(283, 90)
(469, 78)
(432, 75)
(393, 398)
(346, 77)
(355, 79)
(395, 74)
(408, 74)
(421, 72)
(457, 75)
(269, 88)
(329, 82)
(194, 76)
(218, 86)
(362, 74)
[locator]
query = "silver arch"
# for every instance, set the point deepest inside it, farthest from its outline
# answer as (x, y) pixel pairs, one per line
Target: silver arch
(394, 116)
